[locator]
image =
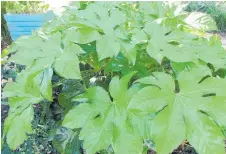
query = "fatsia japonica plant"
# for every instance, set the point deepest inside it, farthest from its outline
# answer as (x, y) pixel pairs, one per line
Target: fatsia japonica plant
(162, 78)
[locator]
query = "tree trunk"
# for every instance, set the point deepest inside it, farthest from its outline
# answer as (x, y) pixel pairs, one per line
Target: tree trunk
(5, 36)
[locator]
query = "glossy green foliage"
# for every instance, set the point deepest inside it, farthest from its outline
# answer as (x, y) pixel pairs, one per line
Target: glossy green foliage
(147, 74)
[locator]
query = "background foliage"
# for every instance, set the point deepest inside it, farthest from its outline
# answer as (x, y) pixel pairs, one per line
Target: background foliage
(24, 6)
(217, 10)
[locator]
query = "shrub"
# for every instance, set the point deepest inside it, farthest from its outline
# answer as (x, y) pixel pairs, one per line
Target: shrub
(141, 72)
(215, 9)
(24, 7)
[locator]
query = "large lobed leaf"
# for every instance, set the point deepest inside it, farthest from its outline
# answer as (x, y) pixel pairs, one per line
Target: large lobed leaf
(186, 114)
(17, 126)
(30, 88)
(105, 122)
(181, 46)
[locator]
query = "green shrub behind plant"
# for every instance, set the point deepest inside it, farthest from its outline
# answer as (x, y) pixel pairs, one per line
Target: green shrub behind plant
(216, 9)
(24, 6)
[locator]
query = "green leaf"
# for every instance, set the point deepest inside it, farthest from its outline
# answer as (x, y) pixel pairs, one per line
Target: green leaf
(115, 65)
(22, 102)
(179, 67)
(64, 100)
(211, 52)
(159, 79)
(138, 36)
(118, 88)
(121, 147)
(95, 95)
(12, 48)
(52, 46)
(31, 85)
(12, 89)
(156, 9)
(70, 121)
(141, 122)
(201, 21)
(85, 112)
(122, 131)
(98, 15)
(130, 51)
(70, 89)
(26, 85)
(101, 119)
(67, 64)
(66, 141)
(122, 32)
(169, 126)
(17, 127)
(205, 136)
(29, 46)
(46, 85)
(93, 140)
(221, 73)
(160, 44)
(216, 109)
(116, 17)
(29, 42)
(94, 13)
(37, 48)
(148, 100)
(107, 47)
(81, 35)
(4, 53)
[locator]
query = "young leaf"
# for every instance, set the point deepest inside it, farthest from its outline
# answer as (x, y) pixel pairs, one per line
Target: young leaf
(107, 47)
(118, 88)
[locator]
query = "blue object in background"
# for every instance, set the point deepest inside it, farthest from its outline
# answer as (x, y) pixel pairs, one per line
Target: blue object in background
(24, 24)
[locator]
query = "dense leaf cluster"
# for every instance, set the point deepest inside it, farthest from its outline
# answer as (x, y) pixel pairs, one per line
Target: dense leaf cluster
(164, 84)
